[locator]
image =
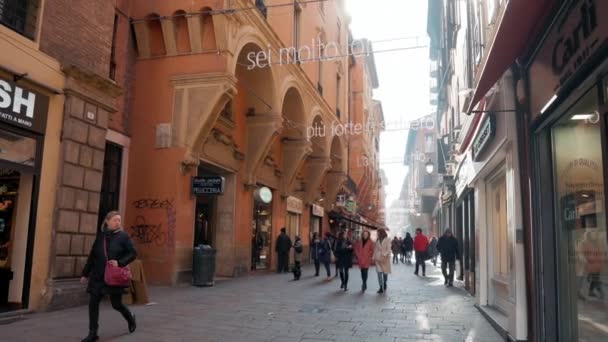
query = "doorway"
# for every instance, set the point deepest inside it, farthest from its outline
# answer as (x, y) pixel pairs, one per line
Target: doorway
(261, 235)
(109, 198)
(499, 263)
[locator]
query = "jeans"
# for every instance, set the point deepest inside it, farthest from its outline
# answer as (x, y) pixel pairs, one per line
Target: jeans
(420, 261)
(382, 279)
(451, 264)
(327, 269)
(117, 304)
(297, 270)
(344, 275)
(283, 262)
(395, 258)
(408, 257)
(317, 266)
(364, 272)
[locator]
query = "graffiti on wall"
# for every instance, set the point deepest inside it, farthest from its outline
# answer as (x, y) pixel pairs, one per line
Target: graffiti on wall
(156, 233)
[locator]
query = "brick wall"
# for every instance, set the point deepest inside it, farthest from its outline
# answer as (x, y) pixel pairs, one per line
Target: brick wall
(79, 33)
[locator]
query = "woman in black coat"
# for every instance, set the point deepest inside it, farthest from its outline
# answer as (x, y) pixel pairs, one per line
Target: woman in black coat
(344, 258)
(120, 252)
(408, 247)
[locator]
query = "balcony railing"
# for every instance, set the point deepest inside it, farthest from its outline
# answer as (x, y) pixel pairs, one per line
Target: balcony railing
(20, 16)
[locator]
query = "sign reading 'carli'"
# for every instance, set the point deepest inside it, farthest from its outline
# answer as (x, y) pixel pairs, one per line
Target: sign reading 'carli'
(23, 108)
(578, 34)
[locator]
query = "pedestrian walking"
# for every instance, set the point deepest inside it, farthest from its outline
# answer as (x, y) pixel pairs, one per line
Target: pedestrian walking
(432, 249)
(112, 248)
(283, 246)
(421, 242)
(334, 241)
(408, 247)
(315, 252)
(395, 249)
(448, 247)
(364, 251)
(325, 254)
(401, 254)
(344, 258)
(298, 248)
(382, 258)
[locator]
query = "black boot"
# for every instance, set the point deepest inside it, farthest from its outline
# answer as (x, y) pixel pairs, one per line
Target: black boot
(91, 337)
(132, 323)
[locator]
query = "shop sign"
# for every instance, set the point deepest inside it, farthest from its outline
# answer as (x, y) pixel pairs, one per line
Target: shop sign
(23, 108)
(317, 210)
(577, 35)
(208, 185)
(351, 206)
(295, 205)
(340, 200)
(263, 194)
(464, 175)
(485, 135)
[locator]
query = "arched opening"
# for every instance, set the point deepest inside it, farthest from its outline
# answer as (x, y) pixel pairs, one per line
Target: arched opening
(294, 126)
(336, 153)
(207, 30)
(155, 30)
(255, 86)
(182, 37)
(318, 140)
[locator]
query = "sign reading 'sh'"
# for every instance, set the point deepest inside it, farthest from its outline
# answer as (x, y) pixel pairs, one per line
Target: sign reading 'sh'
(23, 108)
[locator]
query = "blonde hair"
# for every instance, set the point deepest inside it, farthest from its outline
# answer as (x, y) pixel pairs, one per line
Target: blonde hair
(109, 215)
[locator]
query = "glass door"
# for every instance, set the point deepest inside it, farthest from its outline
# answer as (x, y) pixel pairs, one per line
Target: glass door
(578, 164)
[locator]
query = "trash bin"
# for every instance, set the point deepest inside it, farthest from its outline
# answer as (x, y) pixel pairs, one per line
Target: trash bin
(203, 266)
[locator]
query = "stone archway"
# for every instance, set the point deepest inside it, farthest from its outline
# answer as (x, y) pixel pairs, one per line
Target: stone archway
(336, 176)
(295, 144)
(257, 95)
(319, 161)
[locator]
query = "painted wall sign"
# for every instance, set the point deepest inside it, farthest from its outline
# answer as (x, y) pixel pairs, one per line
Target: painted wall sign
(484, 136)
(23, 108)
(317, 210)
(578, 34)
(263, 194)
(295, 205)
(208, 185)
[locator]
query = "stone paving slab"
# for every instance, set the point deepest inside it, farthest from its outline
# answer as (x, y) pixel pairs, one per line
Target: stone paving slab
(270, 307)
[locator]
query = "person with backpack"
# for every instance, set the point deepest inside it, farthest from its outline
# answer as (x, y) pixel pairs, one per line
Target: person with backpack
(298, 248)
(421, 243)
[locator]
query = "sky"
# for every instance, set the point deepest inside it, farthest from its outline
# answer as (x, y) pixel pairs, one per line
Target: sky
(403, 75)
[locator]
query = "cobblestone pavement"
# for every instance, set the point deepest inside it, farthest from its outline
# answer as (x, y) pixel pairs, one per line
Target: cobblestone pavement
(270, 307)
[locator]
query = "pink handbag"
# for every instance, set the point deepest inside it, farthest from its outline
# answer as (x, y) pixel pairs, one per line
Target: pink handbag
(114, 275)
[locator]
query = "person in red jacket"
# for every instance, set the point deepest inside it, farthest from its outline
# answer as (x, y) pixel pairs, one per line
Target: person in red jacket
(421, 243)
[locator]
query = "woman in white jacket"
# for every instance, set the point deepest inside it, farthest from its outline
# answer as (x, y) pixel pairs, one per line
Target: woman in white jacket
(382, 258)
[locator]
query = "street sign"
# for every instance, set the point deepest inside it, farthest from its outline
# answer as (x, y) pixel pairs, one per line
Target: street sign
(208, 185)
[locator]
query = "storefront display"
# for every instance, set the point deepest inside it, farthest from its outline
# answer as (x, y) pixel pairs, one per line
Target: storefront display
(262, 229)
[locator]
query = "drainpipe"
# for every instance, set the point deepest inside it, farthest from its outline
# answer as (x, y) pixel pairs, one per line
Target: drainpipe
(522, 118)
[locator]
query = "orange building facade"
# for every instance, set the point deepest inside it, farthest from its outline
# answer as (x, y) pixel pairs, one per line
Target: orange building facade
(219, 92)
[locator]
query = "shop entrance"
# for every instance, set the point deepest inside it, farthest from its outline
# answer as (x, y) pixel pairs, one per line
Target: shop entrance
(17, 179)
(261, 236)
(204, 222)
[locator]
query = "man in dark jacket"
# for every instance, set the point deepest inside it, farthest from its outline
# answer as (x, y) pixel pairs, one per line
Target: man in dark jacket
(448, 248)
(282, 248)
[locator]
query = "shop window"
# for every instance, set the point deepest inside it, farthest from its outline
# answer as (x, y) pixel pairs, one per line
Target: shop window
(20, 16)
(17, 149)
(581, 220)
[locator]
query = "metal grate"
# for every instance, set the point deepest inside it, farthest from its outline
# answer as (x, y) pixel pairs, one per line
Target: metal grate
(20, 16)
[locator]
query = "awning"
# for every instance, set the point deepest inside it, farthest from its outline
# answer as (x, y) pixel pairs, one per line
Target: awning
(519, 24)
